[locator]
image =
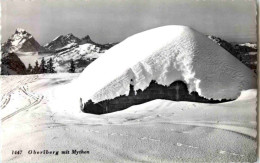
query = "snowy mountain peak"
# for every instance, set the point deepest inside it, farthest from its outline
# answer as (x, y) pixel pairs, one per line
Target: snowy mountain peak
(21, 40)
(20, 30)
(21, 33)
(70, 35)
(62, 41)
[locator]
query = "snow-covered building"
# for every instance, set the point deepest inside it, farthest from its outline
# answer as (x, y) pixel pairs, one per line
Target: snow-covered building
(163, 56)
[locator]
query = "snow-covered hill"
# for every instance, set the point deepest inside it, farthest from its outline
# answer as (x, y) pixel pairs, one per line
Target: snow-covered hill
(178, 53)
(69, 47)
(82, 55)
(22, 41)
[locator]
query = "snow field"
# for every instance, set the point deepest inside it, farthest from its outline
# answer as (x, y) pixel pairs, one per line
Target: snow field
(156, 131)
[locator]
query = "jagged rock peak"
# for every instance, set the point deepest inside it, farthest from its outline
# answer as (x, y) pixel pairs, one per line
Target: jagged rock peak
(62, 41)
(87, 39)
(21, 40)
(20, 30)
(70, 34)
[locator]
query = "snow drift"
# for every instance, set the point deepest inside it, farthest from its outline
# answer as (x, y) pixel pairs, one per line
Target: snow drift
(165, 54)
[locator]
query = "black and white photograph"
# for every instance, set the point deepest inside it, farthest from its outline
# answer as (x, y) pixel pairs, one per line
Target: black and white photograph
(129, 81)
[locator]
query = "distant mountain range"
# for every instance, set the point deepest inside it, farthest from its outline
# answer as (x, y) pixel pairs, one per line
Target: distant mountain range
(62, 41)
(62, 49)
(24, 50)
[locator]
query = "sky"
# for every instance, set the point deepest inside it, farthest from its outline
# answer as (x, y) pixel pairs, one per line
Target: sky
(114, 20)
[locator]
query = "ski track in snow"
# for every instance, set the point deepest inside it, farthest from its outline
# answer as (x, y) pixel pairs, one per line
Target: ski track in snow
(5, 100)
(33, 100)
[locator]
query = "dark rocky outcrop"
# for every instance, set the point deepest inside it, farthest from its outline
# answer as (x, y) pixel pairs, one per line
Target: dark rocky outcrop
(12, 65)
(177, 91)
(87, 39)
(108, 46)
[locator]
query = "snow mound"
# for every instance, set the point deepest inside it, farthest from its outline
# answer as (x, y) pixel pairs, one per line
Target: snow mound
(247, 95)
(165, 54)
